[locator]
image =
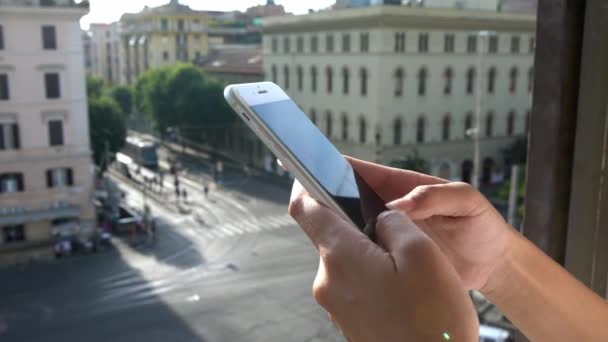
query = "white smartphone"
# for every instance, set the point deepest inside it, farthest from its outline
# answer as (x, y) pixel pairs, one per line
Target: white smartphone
(305, 151)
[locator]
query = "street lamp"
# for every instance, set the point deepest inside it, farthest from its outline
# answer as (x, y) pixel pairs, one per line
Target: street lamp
(477, 130)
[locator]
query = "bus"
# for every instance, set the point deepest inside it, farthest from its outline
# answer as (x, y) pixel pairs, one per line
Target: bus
(141, 152)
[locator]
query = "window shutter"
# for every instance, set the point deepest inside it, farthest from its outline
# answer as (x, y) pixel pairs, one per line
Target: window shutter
(2, 147)
(20, 185)
(69, 176)
(16, 137)
(49, 178)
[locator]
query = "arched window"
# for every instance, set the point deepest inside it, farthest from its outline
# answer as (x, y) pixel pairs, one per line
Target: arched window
(468, 124)
(362, 130)
(445, 127)
(491, 80)
(300, 76)
(470, 80)
(313, 78)
(422, 75)
(328, 124)
(313, 116)
(511, 123)
(274, 74)
(344, 127)
(513, 80)
(530, 79)
(345, 80)
(490, 124)
(399, 82)
(363, 75)
(449, 75)
(286, 76)
(420, 129)
(397, 126)
(330, 79)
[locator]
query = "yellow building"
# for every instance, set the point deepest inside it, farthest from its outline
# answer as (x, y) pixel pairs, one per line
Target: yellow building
(160, 36)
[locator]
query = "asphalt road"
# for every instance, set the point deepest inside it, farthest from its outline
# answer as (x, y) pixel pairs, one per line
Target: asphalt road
(234, 268)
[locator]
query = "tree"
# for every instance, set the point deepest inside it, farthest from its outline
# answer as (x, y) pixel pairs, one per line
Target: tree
(95, 87)
(412, 162)
(124, 97)
(517, 152)
(152, 99)
(107, 127)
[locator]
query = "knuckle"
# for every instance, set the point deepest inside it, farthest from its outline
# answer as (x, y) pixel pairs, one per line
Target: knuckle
(421, 193)
(321, 292)
(296, 207)
(333, 263)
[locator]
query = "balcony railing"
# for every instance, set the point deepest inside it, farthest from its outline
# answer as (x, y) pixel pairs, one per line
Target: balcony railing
(45, 3)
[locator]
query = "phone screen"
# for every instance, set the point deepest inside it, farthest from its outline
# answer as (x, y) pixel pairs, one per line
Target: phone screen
(322, 160)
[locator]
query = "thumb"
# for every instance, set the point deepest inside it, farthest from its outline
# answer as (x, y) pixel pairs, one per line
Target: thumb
(451, 199)
(394, 230)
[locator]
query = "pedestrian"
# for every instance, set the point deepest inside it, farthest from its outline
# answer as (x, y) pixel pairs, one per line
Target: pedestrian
(153, 229)
(206, 190)
(185, 195)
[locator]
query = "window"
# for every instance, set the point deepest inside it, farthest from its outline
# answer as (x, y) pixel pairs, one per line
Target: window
(513, 80)
(55, 133)
(286, 76)
(422, 76)
(345, 80)
(472, 43)
(329, 73)
(445, 127)
(400, 42)
(165, 55)
(273, 73)
(470, 80)
(275, 45)
(49, 37)
(286, 44)
(511, 123)
(344, 127)
(423, 42)
(493, 44)
(530, 79)
(1, 38)
(300, 44)
(364, 42)
(490, 124)
(313, 116)
(362, 130)
(346, 42)
(300, 75)
(60, 177)
(51, 84)
(314, 44)
(468, 125)
(531, 45)
(180, 25)
(9, 136)
(4, 90)
(399, 82)
(313, 79)
(329, 43)
(13, 234)
(328, 124)
(397, 126)
(420, 129)
(164, 24)
(363, 75)
(448, 43)
(449, 75)
(11, 182)
(515, 44)
(491, 79)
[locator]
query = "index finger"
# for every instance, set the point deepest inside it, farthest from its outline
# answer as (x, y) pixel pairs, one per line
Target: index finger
(391, 183)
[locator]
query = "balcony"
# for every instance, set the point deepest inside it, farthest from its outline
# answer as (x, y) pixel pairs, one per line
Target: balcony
(84, 4)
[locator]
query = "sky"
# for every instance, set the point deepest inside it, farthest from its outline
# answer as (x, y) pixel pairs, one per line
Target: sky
(108, 11)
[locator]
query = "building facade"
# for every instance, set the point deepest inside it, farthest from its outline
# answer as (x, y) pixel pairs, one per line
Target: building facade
(161, 36)
(46, 173)
(105, 52)
(385, 82)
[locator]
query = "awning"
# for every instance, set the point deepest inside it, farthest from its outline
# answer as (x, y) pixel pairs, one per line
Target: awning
(20, 217)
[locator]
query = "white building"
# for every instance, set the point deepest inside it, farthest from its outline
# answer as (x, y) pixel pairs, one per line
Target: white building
(384, 81)
(106, 51)
(46, 178)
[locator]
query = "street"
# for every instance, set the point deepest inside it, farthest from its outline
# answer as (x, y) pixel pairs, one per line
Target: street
(234, 268)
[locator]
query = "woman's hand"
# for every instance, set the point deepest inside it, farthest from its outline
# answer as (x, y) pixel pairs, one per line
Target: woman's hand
(401, 288)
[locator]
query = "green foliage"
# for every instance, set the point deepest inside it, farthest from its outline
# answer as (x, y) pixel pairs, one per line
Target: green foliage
(517, 152)
(95, 87)
(412, 162)
(107, 126)
(124, 97)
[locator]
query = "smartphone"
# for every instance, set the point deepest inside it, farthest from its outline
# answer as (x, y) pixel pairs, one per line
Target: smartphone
(306, 152)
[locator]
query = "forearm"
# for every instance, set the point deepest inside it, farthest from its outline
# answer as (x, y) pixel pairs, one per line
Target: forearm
(545, 301)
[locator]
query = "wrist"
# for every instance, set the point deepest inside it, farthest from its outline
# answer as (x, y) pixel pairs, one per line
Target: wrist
(498, 284)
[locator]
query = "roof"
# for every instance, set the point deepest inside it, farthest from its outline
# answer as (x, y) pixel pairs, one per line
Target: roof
(242, 60)
(173, 7)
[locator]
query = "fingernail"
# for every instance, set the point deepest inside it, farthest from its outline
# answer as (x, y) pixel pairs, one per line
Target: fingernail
(403, 204)
(386, 215)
